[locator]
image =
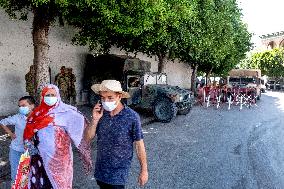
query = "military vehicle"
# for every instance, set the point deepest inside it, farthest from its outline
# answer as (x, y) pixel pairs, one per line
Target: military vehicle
(246, 78)
(148, 90)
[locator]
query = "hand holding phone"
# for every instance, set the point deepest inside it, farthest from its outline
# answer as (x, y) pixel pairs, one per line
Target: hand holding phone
(97, 111)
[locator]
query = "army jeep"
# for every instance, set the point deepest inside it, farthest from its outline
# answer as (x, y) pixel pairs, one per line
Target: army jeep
(148, 90)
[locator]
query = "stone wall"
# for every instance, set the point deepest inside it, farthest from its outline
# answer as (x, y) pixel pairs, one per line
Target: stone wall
(16, 56)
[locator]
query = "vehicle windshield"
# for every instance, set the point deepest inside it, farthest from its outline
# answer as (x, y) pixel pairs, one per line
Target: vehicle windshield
(155, 78)
(247, 80)
(262, 82)
(234, 80)
(271, 82)
(242, 80)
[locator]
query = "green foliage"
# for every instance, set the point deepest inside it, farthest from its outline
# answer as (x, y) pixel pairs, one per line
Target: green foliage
(19, 9)
(106, 23)
(207, 33)
(219, 41)
(148, 26)
(271, 62)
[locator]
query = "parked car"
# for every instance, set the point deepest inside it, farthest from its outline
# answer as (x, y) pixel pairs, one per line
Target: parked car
(281, 85)
(263, 86)
(273, 85)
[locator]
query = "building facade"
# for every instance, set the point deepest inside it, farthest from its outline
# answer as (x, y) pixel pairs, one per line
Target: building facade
(273, 40)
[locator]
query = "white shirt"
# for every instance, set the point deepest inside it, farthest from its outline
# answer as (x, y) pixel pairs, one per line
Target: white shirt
(19, 121)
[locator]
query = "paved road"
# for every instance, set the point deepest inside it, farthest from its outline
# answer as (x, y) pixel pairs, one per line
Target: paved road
(215, 149)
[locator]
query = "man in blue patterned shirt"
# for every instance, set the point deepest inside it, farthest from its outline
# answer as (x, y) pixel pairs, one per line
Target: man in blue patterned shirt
(118, 129)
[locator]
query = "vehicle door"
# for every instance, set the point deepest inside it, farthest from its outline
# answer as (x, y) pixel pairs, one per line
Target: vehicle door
(134, 89)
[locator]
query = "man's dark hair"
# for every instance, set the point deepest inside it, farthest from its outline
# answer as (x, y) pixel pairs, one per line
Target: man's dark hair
(29, 99)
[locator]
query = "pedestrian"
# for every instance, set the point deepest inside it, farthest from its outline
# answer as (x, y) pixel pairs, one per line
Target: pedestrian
(117, 128)
(62, 81)
(71, 86)
(48, 135)
(26, 105)
(30, 81)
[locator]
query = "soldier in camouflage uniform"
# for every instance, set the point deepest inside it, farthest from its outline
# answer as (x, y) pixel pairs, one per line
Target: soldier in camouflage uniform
(72, 90)
(62, 81)
(30, 81)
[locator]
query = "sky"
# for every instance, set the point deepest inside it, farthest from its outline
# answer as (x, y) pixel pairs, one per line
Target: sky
(263, 16)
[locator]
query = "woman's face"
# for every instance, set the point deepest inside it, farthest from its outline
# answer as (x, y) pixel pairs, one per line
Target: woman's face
(50, 97)
(51, 93)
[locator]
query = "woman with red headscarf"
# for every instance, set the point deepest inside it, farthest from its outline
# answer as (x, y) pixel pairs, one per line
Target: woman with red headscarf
(50, 129)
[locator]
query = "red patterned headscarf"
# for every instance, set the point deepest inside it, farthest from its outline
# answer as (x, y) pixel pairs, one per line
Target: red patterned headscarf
(40, 117)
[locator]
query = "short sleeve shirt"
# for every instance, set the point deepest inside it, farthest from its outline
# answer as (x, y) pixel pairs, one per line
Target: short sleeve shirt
(115, 137)
(19, 121)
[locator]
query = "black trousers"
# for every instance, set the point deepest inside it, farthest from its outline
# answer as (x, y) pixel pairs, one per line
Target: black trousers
(103, 185)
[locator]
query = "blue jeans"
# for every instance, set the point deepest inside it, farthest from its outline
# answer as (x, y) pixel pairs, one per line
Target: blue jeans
(14, 158)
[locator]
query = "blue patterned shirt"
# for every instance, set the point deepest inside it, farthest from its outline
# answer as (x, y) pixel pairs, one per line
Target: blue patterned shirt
(115, 138)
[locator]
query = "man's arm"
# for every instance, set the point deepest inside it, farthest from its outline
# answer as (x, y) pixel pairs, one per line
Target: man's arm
(8, 131)
(92, 128)
(141, 155)
(8, 121)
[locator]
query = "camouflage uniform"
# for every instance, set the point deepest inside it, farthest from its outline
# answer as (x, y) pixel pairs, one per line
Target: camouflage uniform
(30, 81)
(62, 81)
(72, 90)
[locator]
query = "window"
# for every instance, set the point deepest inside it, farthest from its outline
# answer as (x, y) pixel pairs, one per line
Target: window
(133, 81)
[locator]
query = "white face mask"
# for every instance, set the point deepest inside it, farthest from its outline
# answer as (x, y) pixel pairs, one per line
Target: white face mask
(24, 110)
(109, 106)
(50, 101)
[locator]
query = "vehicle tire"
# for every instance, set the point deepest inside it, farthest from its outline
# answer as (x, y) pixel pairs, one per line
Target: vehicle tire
(184, 111)
(258, 97)
(164, 110)
(262, 90)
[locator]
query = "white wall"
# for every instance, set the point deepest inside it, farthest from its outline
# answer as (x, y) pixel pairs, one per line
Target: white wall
(16, 55)
(178, 74)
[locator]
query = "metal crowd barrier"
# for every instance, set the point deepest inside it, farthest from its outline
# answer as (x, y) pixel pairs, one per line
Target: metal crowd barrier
(220, 96)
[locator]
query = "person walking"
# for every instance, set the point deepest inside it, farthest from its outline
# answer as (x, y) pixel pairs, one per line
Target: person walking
(26, 105)
(50, 129)
(118, 129)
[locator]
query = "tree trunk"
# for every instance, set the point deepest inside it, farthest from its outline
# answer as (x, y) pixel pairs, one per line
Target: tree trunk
(193, 77)
(208, 76)
(41, 24)
(161, 63)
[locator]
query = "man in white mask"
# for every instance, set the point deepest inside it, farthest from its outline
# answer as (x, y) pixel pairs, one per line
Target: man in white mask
(26, 105)
(118, 130)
